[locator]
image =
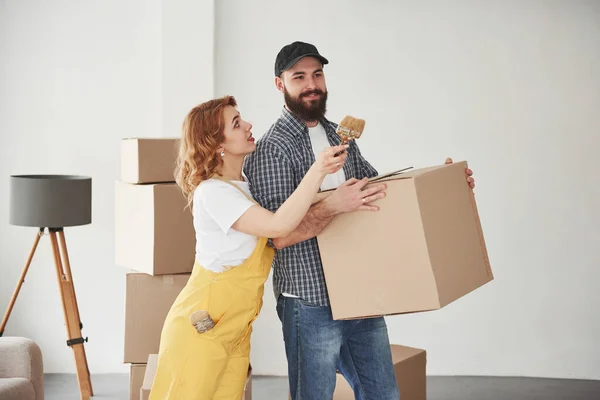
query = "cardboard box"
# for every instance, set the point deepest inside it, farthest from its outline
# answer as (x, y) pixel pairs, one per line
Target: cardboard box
(410, 366)
(148, 160)
(421, 251)
(144, 393)
(147, 303)
(154, 231)
(151, 372)
(248, 387)
(136, 379)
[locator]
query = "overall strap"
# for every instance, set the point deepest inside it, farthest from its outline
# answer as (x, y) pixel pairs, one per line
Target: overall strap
(220, 178)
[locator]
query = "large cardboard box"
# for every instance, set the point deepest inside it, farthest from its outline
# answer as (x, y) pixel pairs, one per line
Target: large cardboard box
(148, 160)
(147, 303)
(151, 372)
(410, 365)
(136, 379)
(154, 231)
(421, 251)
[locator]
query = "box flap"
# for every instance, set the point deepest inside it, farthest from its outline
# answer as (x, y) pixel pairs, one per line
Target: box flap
(399, 174)
(404, 173)
(408, 172)
(389, 175)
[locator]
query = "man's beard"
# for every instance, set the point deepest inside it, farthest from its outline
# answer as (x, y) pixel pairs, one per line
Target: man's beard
(312, 112)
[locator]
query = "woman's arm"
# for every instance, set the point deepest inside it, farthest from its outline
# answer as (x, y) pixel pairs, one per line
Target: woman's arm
(260, 222)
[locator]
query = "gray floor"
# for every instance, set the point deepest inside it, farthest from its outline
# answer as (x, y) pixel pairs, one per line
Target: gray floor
(116, 387)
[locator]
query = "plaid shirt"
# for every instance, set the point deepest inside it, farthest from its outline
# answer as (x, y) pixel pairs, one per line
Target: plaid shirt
(282, 157)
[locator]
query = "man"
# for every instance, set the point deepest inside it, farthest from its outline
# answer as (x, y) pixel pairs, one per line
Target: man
(316, 345)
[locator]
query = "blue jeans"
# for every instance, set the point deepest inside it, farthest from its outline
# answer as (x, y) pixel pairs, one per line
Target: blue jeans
(316, 346)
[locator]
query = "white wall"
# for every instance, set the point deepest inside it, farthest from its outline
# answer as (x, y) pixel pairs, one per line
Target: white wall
(511, 87)
(75, 78)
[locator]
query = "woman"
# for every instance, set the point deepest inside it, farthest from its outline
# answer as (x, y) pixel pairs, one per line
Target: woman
(205, 342)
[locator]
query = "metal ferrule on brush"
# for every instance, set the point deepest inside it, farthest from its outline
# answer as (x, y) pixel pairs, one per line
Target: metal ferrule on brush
(348, 133)
(201, 321)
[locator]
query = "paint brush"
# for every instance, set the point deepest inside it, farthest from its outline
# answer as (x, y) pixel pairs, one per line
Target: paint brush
(350, 128)
(201, 321)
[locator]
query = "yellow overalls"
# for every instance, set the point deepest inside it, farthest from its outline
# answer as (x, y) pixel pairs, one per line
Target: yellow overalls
(213, 364)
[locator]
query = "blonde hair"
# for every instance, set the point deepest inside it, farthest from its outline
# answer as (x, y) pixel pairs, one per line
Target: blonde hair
(202, 134)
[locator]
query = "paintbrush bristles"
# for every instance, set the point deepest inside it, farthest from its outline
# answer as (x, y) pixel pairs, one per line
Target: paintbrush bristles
(202, 321)
(350, 128)
(354, 124)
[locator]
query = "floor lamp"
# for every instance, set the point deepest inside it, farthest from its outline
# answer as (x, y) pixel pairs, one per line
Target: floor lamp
(54, 202)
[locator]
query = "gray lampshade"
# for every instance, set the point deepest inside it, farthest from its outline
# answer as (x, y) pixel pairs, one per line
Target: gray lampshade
(50, 201)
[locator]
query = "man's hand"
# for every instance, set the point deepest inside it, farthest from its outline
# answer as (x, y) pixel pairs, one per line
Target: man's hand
(351, 196)
(470, 180)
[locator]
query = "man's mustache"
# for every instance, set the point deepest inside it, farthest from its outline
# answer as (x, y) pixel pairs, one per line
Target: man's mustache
(311, 92)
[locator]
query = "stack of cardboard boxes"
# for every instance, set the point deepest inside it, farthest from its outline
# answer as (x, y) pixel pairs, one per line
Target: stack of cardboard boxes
(154, 241)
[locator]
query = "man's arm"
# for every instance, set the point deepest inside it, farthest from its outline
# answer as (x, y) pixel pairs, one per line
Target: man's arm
(271, 173)
(319, 215)
(321, 196)
(315, 220)
(271, 182)
(350, 196)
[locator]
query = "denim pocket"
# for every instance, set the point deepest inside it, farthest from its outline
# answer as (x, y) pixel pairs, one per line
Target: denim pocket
(280, 307)
(308, 304)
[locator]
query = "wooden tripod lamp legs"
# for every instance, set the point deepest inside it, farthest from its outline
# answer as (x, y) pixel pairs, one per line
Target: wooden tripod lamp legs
(71, 311)
(69, 303)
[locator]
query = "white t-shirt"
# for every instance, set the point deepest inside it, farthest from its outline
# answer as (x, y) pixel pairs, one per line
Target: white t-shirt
(217, 205)
(319, 141)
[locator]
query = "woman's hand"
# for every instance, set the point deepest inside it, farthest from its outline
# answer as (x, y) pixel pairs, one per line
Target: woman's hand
(328, 163)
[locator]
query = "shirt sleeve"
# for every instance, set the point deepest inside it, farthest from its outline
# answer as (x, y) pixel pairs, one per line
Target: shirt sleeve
(223, 203)
(271, 176)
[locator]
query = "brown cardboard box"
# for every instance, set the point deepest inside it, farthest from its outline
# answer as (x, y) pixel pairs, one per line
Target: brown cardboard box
(136, 378)
(151, 371)
(248, 387)
(410, 366)
(148, 160)
(147, 303)
(154, 232)
(421, 251)
(144, 393)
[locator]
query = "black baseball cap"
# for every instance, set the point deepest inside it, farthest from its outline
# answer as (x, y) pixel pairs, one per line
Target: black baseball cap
(292, 53)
